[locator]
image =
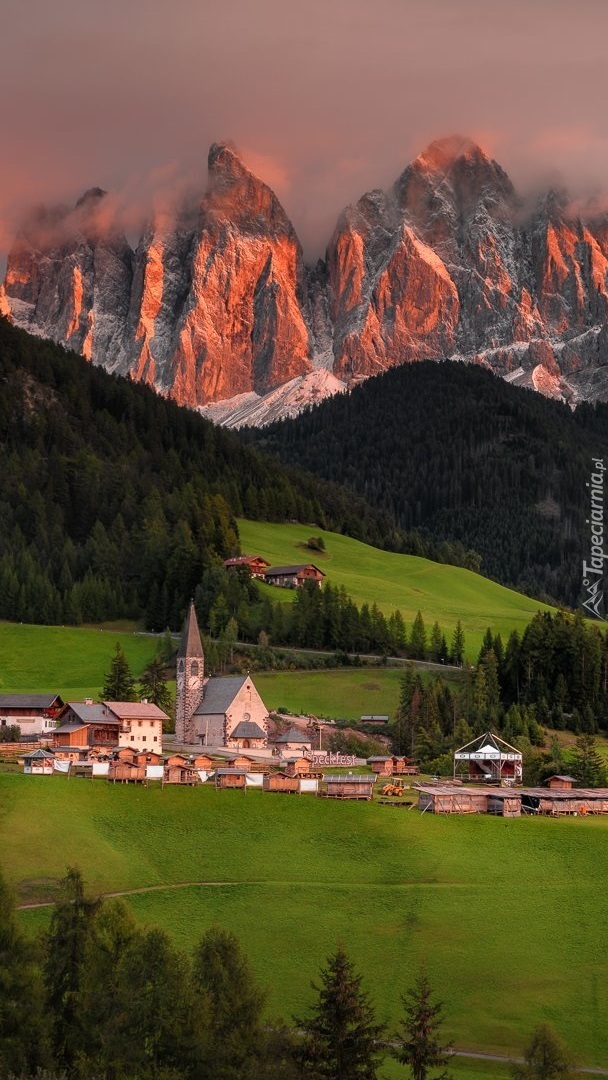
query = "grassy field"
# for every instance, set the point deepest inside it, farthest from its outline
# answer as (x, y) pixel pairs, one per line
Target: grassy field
(445, 593)
(71, 661)
(507, 915)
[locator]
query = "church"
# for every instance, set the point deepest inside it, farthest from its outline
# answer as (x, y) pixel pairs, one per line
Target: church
(218, 711)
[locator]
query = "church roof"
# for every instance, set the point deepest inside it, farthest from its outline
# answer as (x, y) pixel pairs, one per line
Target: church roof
(190, 644)
(247, 730)
(220, 692)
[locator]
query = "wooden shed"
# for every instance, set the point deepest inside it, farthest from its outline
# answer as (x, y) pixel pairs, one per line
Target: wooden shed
(126, 772)
(297, 766)
(203, 761)
(504, 803)
(348, 785)
(448, 799)
(148, 757)
(280, 781)
(559, 803)
(181, 773)
(560, 783)
(382, 766)
(230, 778)
(177, 759)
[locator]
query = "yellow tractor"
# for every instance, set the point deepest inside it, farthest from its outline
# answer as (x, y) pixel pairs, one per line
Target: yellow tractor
(394, 788)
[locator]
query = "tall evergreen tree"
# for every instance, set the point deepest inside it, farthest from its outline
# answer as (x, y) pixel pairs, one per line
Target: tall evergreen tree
(153, 686)
(119, 684)
(341, 1032)
(418, 638)
(587, 765)
(421, 1047)
(23, 1043)
(545, 1058)
(457, 646)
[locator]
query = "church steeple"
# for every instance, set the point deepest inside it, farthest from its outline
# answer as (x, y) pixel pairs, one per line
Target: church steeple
(190, 678)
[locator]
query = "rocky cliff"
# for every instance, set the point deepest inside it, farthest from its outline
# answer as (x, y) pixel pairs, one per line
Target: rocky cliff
(215, 305)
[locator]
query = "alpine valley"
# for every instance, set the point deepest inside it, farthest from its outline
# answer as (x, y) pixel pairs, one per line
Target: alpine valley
(216, 308)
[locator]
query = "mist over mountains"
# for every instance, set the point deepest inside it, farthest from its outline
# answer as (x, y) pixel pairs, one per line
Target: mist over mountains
(215, 307)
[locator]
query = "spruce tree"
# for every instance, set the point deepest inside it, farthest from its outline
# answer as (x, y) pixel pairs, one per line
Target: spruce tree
(421, 1047)
(457, 649)
(418, 638)
(119, 684)
(341, 1033)
(23, 1043)
(153, 686)
(587, 765)
(545, 1057)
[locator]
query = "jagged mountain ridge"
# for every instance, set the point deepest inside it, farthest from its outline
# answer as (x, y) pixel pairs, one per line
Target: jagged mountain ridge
(216, 308)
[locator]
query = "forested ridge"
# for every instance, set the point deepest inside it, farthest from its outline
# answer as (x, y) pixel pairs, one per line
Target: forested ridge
(460, 455)
(115, 502)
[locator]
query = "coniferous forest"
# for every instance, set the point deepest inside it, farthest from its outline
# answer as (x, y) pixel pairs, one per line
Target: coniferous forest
(456, 453)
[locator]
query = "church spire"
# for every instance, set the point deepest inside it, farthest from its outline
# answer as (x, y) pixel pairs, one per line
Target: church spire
(190, 644)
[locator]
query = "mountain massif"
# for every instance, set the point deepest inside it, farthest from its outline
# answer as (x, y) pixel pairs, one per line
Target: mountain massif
(216, 308)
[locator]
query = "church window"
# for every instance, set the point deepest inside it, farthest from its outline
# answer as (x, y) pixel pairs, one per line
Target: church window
(194, 667)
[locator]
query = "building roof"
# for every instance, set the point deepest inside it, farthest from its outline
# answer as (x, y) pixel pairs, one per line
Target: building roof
(350, 778)
(380, 758)
(28, 701)
(294, 735)
(39, 755)
(231, 772)
(246, 729)
(245, 560)
(68, 726)
(191, 644)
(277, 571)
(136, 710)
(219, 693)
(92, 714)
(558, 776)
(486, 747)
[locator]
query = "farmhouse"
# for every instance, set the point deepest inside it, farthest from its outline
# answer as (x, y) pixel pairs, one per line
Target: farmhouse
(294, 577)
(109, 724)
(488, 758)
(141, 723)
(255, 564)
(34, 714)
(225, 711)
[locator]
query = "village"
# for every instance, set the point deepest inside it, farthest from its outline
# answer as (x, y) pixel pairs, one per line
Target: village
(224, 736)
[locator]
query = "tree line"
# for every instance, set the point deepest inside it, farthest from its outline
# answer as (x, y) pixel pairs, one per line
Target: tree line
(98, 997)
(459, 455)
(114, 501)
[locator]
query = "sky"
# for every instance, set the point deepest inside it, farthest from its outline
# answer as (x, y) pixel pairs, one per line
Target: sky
(324, 98)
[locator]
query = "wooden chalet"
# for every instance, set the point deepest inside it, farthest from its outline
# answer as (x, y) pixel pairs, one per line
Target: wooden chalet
(294, 577)
(348, 785)
(382, 766)
(560, 783)
(254, 564)
(230, 778)
(281, 781)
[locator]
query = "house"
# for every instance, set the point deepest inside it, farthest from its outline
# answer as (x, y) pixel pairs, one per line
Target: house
(255, 564)
(34, 714)
(294, 577)
(293, 740)
(225, 711)
(142, 723)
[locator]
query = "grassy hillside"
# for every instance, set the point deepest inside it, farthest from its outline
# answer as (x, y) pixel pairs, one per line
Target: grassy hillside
(445, 593)
(71, 661)
(477, 899)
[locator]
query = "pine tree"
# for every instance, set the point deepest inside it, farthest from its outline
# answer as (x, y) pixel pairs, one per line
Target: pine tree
(341, 1032)
(418, 638)
(153, 686)
(587, 765)
(421, 1047)
(22, 1037)
(545, 1057)
(457, 649)
(119, 683)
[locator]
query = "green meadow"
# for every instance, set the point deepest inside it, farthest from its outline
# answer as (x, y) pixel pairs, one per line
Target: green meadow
(71, 661)
(506, 915)
(406, 582)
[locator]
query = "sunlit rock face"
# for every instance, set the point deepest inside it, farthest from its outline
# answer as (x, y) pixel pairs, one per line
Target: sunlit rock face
(215, 303)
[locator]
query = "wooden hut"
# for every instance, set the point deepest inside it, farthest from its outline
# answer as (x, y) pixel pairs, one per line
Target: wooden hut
(560, 783)
(126, 772)
(280, 781)
(382, 766)
(203, 761)
(348, 785)
(504, 803)
(148, 757)
(230, 778)
(177, 759)
(451, 799)
(181, 773)
(297, 766)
